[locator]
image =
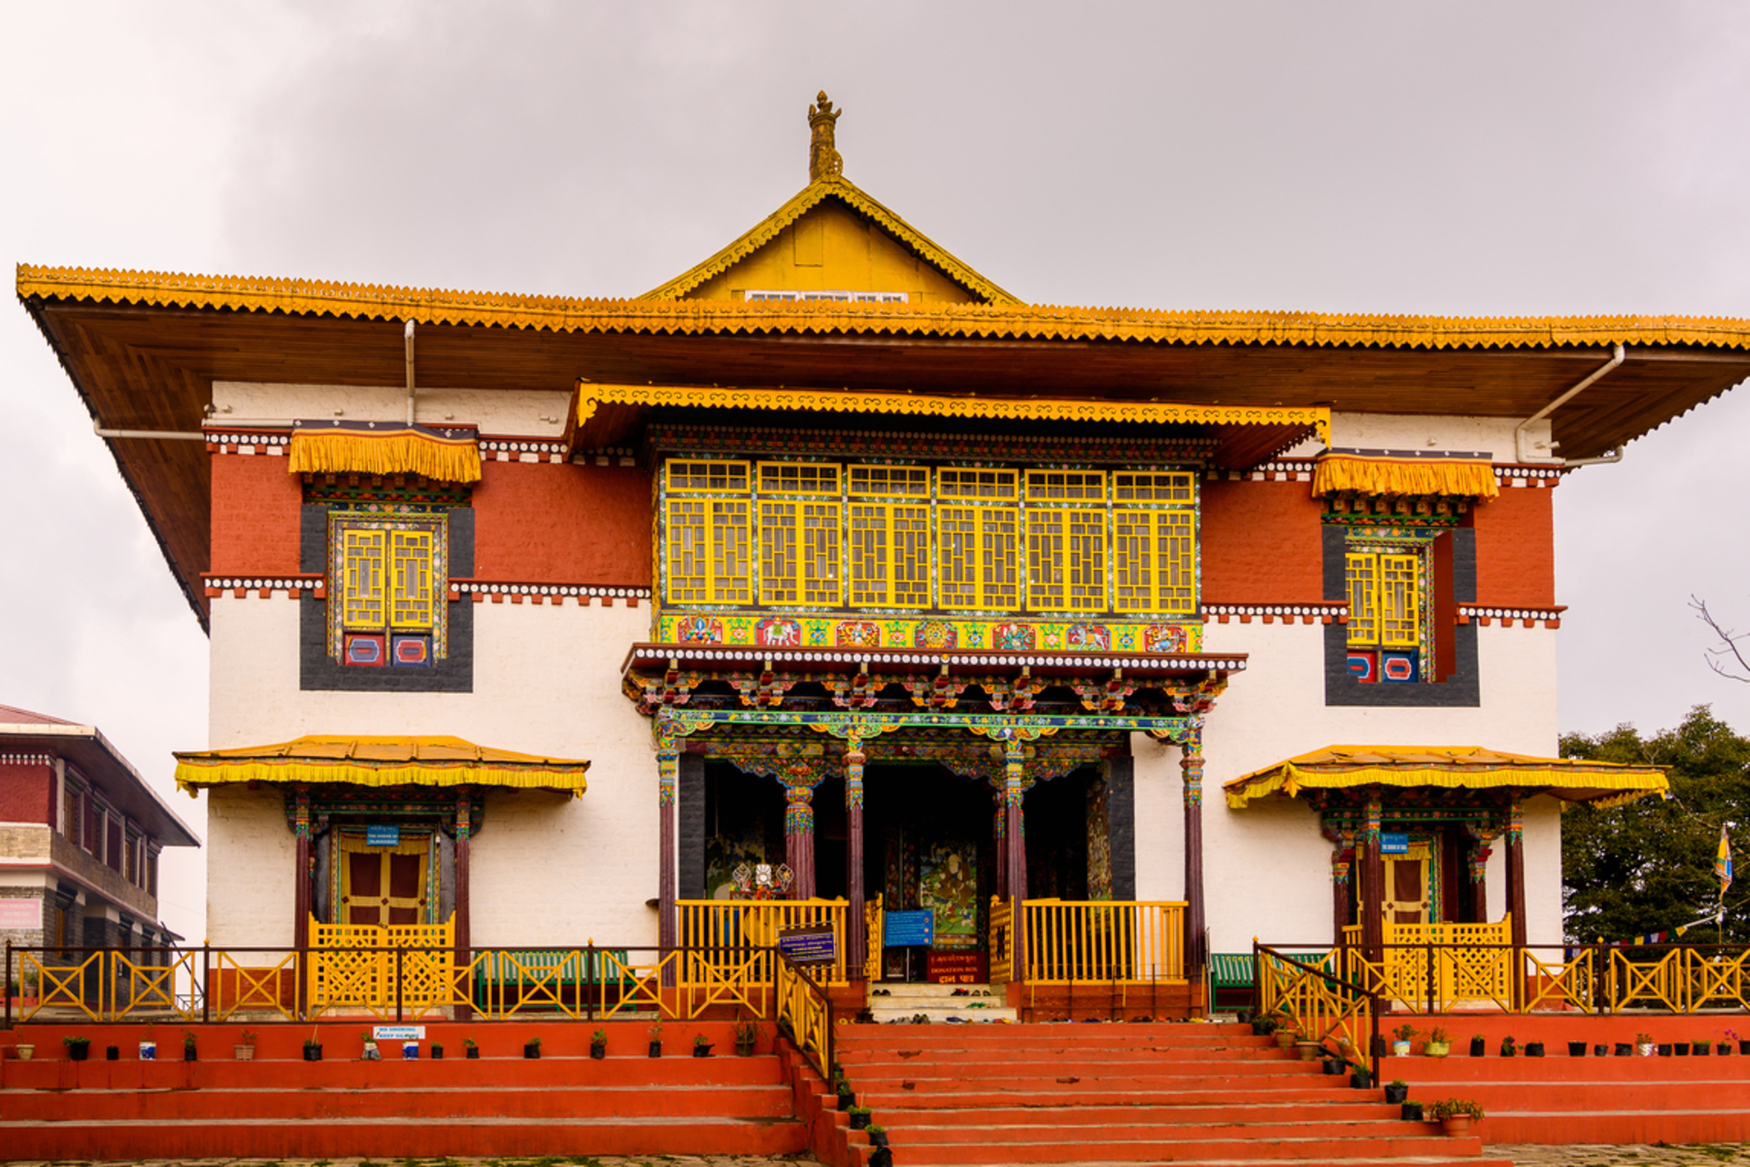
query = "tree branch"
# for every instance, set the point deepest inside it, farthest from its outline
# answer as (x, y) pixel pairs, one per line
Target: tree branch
(1721, 657)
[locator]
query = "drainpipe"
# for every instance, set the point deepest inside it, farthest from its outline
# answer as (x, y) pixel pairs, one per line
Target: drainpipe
(176, 435)
(408, 335)
(1519, 435)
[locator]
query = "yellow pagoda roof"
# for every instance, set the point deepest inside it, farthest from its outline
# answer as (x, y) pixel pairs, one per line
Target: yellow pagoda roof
(378, 761)
(1470, 767)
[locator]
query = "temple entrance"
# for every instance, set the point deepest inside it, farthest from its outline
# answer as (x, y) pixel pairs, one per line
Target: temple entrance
(1406, 899)
(384, 883)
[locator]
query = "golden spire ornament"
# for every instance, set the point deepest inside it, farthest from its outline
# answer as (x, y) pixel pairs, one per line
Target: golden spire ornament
(823, 157)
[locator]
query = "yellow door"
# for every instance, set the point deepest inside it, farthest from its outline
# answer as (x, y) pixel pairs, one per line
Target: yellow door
(1406, 887)
(384, 885)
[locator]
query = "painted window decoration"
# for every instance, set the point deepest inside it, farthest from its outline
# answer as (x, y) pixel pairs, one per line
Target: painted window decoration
(906, 537)
(1387, 587)
(389, 589)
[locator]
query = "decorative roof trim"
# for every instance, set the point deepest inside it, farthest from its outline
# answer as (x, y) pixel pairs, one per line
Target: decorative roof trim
(378, 761)
(984, 321)
(591, 396)
(809, 197)
(446, 455)
(1377, 472)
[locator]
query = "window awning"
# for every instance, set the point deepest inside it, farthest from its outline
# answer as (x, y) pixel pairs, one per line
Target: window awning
(366, 447)
(378, 761)
(1471, 767)
(1405, 472)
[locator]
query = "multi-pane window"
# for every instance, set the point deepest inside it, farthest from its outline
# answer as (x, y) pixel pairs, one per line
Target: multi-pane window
(1385, 604)
(816, 534)
(389, 583)
(72, 814)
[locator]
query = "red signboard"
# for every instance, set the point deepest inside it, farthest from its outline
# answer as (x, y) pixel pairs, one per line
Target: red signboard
(956, 968)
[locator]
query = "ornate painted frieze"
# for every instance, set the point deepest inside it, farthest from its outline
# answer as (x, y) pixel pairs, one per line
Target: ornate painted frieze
(995, 633)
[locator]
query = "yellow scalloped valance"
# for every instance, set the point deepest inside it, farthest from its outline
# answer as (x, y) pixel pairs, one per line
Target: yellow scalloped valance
(1469, 767)
(1365, 474)
(377, 448)
(378, 761)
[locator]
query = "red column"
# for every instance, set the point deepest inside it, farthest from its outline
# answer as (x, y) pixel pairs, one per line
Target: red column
(301, 891)
(799, 833)
(1372, 884)
(1342, 860)
(1000, 836)
(668, 782)
(856, 928)
(1191, 769)
(1516, 884)
(464, 937)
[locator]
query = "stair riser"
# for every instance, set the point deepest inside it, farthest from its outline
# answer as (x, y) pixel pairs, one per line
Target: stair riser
(997, 1055)
(1123, 1135)
(897, 1113)
(918, 1151)
(1235, 1075)
(485, 1073)
(1726, 1126)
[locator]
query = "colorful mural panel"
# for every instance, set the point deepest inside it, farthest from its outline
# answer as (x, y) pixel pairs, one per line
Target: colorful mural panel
(1000, 634)
(948, 886)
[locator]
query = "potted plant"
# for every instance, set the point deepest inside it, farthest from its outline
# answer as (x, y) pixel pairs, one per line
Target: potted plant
(1263, 1026)
(656, 1040)
(1396, 1091)
(859, 1117)
(244, 1050)
(1699, 1049)
(1404, 1034)
(1601, 1050)
(1534, 1049)
(598, 1044)
(1334, 1066)
(701, 1047)
(881, 1157)
(1479, 1045)
(1723, 1049)
(437, 1052)
(149, 1045)
(410, 1051)
(1410, 1111)
(877, 1135)
(746, 1034)
(846, 1097)
(1644, 1044)
(78, 1048)
(470, 1049)
(112, 1053)
(1680, 1048)
(1576, 1049)
(371, 1052)
(1625, 1049)
(1455, 1115)
(532, 1049)
(312, 1047)
(24, 1050)
(1360, 1079)
(1509, 1047)
(1438, 1044)
(189, 1050)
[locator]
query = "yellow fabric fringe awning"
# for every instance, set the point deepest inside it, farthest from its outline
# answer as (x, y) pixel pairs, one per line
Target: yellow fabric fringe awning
(1469, 767)
(1388, 473)
(384, 448)
(379, 761)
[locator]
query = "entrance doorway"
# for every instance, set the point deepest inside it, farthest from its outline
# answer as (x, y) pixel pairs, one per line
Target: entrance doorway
(1406, 899)
(385, 885)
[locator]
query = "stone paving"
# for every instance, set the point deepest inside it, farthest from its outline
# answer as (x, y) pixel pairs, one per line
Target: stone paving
(1527, 1155)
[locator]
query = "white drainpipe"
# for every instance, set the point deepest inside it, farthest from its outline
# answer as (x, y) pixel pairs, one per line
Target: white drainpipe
(408, 335)
(1520, 437)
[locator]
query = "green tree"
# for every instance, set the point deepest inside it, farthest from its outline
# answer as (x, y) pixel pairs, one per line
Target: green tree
(1649, 866)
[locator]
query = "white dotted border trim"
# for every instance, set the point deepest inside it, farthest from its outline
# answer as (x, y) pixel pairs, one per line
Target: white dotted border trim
(274, 445)
(555, 594)
(1525, 617)
(521, 450)
(1270, 613)
(1140, 661)
(27, 760)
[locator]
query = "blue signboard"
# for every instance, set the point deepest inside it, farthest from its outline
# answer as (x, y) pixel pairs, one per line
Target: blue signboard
(1394, 843)
(808, 944)
(908, 929)
(382, 836)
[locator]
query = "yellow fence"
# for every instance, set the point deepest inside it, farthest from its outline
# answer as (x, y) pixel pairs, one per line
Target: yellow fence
(805, 1011)
(1101, 942)
(1318, 1007)
(1002, 942)
(874, 920)
(726, 927)
(1446, 964)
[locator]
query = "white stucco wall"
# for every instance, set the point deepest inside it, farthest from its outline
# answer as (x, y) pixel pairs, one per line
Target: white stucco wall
(251, 861)
(546, 868)
(524, 412)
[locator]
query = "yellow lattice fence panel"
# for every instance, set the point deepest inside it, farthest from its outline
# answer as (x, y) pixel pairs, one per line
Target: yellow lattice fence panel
(356, 967)
(151, 987)
(1716, 979)
(805, 1013)
(1659, 982)
(1002, 941)
(1317, 1008)
(1550, 985)
(63, 983)
(1103, 942)
(721, 927)
(874, 920)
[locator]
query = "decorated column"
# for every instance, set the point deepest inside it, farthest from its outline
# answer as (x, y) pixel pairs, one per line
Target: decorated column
(668, 767)
(1482, 847)
(464, 939)
(1000, 836)
(856, 928)
(799, 782)
(1191, 769)
(1014, 825)
(306, 864)
(1372, 882)
(1342, 859)
(1516, 867)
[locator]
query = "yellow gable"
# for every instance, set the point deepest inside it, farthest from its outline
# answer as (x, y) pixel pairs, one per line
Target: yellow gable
(832, 237)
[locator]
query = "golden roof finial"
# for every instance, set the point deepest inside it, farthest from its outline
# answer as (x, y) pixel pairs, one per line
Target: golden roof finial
(823, 157)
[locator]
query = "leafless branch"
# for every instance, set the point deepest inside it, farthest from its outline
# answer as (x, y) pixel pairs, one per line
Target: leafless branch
(1721, 657)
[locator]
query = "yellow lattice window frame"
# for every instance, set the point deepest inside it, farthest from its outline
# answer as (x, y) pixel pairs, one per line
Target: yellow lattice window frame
(412, 602)
(364, 600)
(890, 555)
(1361, 573)
(708, 541)
(1165, 486)
(1154, 561)
(799, 478)
(712, 477)
(1385, 599)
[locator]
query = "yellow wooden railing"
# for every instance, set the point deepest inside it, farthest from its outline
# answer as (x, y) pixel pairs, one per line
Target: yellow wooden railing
(805, 1011)
(403, 969)
(1445, 964)
(1317, 1002)
(1102, 942)
(874, 918)
(1002, 941)
(726, 926)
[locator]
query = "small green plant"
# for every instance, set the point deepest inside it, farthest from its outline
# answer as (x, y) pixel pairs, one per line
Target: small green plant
(876, 1128)
(859, 1110)
(1449, 1107)
(311, 1042)
(1509, 1047)
(536, 1042)
(75, 1042)
(1398, 1082)
(656, 1031)
(599, 1037)
(1438, 1035)
(746, 1031)
(248, 1037)
(700, 1039)
(470, 1043)
(190, 1039)
(1643, 1039)
(1405, 1032)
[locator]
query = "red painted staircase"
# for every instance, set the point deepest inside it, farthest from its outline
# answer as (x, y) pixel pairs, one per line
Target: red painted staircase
(1131, 1093)
(279, 1106)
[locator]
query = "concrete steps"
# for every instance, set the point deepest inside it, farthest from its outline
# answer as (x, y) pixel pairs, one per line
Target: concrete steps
(978, 1003)
(1122, 1093)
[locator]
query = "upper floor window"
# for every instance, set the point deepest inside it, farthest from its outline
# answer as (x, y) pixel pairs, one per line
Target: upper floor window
(1387, 609)
(817, 534)
(390, 588)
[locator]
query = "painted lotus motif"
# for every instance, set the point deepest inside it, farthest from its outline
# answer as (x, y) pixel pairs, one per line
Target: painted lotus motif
(1088, 637)
(1013, 638)
(776, 632)
(935, 634)
(699, 630)
(1163, 638)
(858, 634)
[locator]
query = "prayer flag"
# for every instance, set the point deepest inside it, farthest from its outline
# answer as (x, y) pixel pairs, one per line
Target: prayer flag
(1723, 862)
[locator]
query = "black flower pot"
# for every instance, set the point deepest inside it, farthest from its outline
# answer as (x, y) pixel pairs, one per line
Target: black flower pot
(701, 1051)
(1625, 1049)
(847, 1100)
(1680, 1048)
(112, 1053)
(1380, 1049)
(1601, 1050)
(1361, 1080)
(656, 1049)
(1576, 1049)
(78, 1052)
(1698, 1048)
(1478, 1047)
(1508, 1051)
(859, 1121)
(189, 1053)
(532, 1050)
(1664, 1049)
(437, 1053)
(744, 1049)
(312, 1053)
(1262, 1028)
(1396, 1094)
(470, 1051)
(1534, 1049)
(878, 1138)
(881, 1157)
(1744, 1048)
(1333, 1066)
(1724, 1049)
(1243, 1016)
(1411, 1112)
(598, 1050)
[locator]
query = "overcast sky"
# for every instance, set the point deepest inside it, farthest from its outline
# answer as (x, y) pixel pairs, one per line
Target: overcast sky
(1464, 159)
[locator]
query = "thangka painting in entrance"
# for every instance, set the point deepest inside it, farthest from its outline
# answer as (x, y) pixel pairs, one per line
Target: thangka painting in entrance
(948, 885)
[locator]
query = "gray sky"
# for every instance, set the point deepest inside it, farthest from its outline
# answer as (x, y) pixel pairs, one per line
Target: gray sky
(1464, 159)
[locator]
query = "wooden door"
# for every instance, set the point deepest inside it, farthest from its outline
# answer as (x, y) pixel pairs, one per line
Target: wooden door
(384, 886)
(1406, 887)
